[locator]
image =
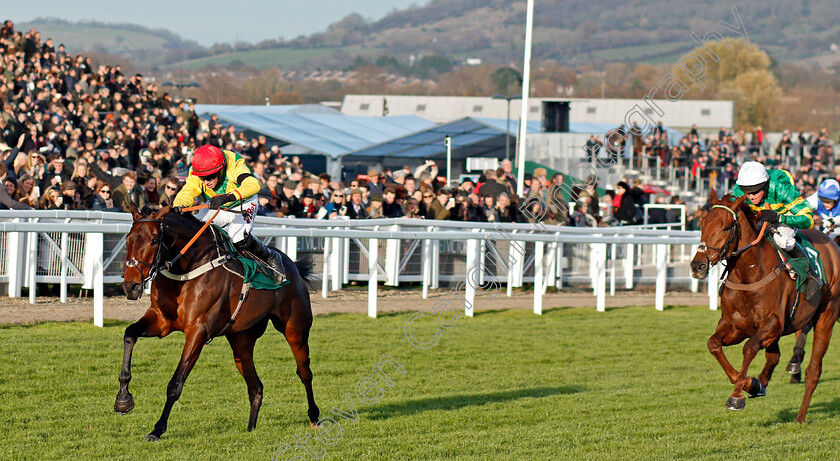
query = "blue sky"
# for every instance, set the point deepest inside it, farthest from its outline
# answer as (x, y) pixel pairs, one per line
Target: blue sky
(212, 21)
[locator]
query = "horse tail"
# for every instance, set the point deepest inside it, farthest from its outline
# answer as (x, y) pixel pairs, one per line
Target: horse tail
(305, 268)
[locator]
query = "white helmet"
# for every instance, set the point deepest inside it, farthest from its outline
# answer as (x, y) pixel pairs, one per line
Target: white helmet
(752, 177)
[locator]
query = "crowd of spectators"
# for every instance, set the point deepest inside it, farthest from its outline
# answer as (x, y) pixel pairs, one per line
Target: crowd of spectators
(78, 136)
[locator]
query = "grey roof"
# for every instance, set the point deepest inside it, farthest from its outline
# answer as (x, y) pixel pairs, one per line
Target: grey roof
(329, 133)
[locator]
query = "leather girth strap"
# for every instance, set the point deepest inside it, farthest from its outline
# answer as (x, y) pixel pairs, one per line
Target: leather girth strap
(755, 285)
(242, 297)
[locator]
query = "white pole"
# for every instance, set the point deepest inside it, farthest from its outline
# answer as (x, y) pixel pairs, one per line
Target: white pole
(373, 256)
(600, 253)
(65, 246)
(325, 278)
(526, 86)
(539, 254)
(98, 243)
(447, 141)
(661, 274)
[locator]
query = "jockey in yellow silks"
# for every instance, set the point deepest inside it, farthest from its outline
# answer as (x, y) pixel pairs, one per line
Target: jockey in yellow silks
(223, 179)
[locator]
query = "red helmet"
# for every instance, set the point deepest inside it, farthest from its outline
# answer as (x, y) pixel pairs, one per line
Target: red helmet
(207, 160)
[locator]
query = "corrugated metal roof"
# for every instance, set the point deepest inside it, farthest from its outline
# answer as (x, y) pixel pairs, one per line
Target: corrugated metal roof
(321, 133)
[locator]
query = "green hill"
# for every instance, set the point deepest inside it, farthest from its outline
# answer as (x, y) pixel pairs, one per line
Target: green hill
(570, 31)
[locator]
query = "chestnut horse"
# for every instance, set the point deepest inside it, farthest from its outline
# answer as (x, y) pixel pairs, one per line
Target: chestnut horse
(757, 298)
(201, 308)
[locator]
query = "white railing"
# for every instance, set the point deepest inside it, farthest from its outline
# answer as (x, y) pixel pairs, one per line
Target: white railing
(87, 248)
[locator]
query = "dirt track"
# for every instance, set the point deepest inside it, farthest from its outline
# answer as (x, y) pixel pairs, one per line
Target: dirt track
(354, 300)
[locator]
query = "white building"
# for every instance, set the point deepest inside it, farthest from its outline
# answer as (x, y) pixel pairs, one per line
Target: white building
(708, 115)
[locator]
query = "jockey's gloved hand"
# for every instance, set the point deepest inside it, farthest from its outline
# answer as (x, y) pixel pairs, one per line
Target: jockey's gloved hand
(768, 216)
(219, 200)
(175, 209)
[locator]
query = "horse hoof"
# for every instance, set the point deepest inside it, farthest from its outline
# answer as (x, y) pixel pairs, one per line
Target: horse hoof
(313, 425)
(796, 378)
(124, 406)
(152, 438)
(736, 404)
(794, 368)
(756, 389)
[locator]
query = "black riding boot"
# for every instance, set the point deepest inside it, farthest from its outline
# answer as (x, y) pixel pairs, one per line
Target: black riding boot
(266, 255)
(813, 282)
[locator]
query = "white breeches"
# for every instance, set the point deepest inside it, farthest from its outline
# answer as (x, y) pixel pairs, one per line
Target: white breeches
(237, 223)
(784, 237)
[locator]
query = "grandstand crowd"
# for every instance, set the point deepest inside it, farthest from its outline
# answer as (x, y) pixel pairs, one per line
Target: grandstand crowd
(74, 136)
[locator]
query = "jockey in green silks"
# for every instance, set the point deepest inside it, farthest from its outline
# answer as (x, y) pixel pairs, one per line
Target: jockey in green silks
(788, 210)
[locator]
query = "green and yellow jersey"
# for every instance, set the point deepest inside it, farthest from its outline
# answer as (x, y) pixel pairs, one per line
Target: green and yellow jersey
(785, 200)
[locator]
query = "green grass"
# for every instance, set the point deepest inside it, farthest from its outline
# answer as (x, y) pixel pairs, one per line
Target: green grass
(77, 37)
(645, 53)
(276, 57)
(630, 383)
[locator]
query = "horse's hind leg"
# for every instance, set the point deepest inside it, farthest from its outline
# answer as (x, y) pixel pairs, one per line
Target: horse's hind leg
(772, 355)
(196, 336)
(794, 367)
(822, 335)
(299, 341)
(148, 325)
(243, 354)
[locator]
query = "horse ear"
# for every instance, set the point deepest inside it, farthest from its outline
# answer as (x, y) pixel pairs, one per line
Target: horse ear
(163, 212)
(134, 212)
(738, 202)
(713, 196)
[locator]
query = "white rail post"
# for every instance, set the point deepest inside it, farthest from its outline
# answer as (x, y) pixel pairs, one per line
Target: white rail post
(65, 244)
(560, 266)
(613, 251)
(517, 266)
(551, 266)
(539, 256)
(435, 282)
(96, 241)
(593, 268)
(336, 261)
(291, 247)
(32, 265)
(713, 286)
(600, 253)
(426, 256)
(325, 277)
(629, 261)
(472, 281)
(14, 264)
(373, 256)
(392, 259)
(661, 275)
(694, 285)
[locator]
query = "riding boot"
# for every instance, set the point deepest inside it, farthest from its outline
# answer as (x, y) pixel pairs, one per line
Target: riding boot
(270, 257)
(813, 282)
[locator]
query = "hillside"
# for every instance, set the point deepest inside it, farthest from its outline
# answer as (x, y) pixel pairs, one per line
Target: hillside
(143, 46)
(569, 31)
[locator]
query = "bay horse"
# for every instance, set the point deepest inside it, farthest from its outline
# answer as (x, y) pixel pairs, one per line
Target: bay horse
(757, 299)
(202, 307)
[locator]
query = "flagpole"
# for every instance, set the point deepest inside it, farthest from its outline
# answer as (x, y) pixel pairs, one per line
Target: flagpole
(526, 86)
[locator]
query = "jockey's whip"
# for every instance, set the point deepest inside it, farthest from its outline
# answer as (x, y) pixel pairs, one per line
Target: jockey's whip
(195, 237)
(195, 207)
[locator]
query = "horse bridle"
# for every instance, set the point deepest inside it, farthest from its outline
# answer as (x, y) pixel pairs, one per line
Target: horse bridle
(155, 266)
(734, 234)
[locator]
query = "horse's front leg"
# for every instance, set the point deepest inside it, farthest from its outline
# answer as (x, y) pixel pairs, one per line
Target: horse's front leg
(765, 336)
(725, 335)
(148, 325)
(772, 355)
(196, 336)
